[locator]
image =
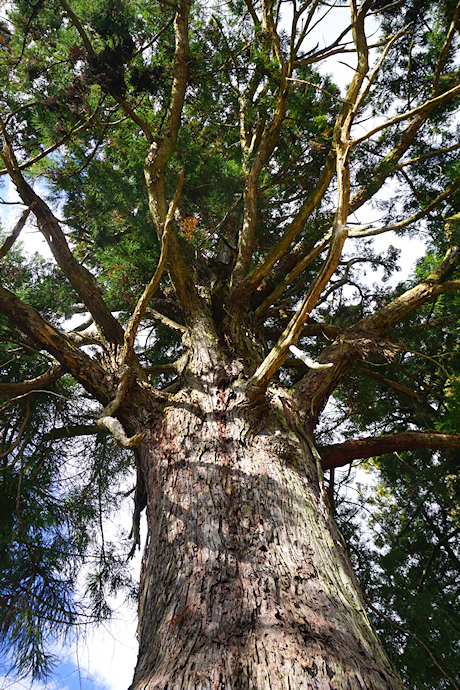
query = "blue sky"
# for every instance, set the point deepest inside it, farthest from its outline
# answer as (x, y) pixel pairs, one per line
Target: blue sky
(67, 676)
(104, 659)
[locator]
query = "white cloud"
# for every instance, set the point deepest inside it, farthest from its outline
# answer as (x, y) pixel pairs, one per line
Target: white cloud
(109, 652)
(10, 683)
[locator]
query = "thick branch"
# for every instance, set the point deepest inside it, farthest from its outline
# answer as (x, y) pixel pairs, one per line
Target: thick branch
(116, 429)
(435, 284)
(279, 352)
(79, 277)
(316, 387)
(149, 290)
(255, 277)
(340, 454)
(261, 157)
(165, 144)
(87, 372)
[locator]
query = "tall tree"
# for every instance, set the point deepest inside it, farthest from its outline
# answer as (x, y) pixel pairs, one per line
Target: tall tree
(199, 182)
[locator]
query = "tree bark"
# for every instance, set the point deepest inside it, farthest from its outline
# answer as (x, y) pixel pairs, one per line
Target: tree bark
(245, 582)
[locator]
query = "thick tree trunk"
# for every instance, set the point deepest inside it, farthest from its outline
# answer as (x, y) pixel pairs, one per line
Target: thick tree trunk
(245, 583)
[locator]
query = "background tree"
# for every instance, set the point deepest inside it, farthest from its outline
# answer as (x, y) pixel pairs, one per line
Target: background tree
(200, 184)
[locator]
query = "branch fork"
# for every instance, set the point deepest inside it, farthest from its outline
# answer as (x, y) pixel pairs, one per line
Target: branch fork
(111, 423)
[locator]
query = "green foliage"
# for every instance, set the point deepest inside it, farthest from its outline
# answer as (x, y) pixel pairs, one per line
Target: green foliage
(51, 507)
(409, 563)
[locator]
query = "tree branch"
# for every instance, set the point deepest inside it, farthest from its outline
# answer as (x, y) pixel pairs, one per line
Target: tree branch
(425, 108)
(278, 354)
(149, 290)
(11, 239)
(79, 277)
(265, 148)
(408, 221)
(399, 388)
(21, 387)
(85, 370)
(340, 454)
(317, 386)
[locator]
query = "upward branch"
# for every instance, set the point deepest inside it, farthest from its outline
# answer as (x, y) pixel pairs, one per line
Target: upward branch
(279, 352)
(340, 454)
(156, 163)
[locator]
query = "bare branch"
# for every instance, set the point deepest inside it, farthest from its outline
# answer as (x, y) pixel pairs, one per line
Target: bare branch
(265, 148)
(399, 389)
(260, 271)
(116, 429)
(85, 370)
(21, 387)
(425, 108)
(426, 156)
(11, 239)
(292, 275)
(310, 363)
(149, 290)
(165, 320)
(341, 454)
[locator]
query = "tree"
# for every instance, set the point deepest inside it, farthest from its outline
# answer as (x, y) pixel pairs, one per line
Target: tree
(198, 180)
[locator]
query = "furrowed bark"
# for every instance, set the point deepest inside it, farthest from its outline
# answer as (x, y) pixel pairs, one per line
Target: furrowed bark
(340, 454)
(245, 583)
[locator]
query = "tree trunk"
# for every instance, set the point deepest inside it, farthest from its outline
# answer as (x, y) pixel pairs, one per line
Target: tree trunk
(245, 583)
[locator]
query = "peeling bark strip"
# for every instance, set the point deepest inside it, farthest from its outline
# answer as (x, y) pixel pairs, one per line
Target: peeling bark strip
(245, 583)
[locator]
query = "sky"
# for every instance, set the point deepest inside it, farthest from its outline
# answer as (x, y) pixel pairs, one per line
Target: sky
(106, 657)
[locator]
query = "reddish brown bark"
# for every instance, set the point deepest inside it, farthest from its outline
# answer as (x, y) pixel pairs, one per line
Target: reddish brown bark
(340, 454)
(245, 582)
